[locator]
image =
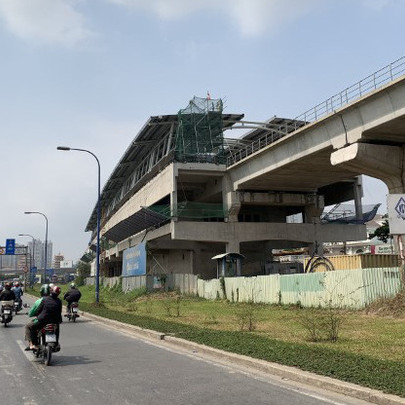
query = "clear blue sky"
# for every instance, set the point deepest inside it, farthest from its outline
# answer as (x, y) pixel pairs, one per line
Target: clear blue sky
(89, 73)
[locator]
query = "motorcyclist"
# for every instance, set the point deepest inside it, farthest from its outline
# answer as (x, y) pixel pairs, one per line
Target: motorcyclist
(7, 294)
(18, 291)
(49, 310)
(73, 295)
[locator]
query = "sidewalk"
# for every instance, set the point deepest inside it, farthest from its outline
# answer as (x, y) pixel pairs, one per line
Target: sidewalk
(273, 369)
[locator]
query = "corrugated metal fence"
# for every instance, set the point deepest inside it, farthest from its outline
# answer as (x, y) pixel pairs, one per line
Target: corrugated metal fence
(345, 288)
(185, 283)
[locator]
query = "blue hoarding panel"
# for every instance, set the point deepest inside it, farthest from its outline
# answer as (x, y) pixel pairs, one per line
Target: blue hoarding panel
(10, 246)
(134, 261)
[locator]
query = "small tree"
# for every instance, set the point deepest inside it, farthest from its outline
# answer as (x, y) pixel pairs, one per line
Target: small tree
(383, 232)
(83, 271)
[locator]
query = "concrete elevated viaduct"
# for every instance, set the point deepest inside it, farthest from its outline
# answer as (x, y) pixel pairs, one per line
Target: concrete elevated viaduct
(280, 169)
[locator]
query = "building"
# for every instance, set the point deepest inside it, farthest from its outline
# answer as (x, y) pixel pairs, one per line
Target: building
(57, 259)
(175, 199)
(37, 247)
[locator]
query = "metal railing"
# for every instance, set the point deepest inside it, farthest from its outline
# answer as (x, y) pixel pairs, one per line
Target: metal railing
(376, 80)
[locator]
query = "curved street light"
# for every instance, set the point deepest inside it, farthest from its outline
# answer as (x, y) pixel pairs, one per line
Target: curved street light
(46, 239)
(67, 148)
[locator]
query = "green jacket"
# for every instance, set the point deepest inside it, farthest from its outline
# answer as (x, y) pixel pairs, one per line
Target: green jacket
(34, 309)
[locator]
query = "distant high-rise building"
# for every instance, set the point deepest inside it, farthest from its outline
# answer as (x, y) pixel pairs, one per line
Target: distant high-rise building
(57, 260)
(38, 251)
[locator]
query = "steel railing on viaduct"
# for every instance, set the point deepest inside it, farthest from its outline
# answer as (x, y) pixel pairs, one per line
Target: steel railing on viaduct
(372, 82)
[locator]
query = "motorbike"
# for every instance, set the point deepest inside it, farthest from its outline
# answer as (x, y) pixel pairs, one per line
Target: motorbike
(17, 306)
(6, 312)
(48, 343)
(73, 313)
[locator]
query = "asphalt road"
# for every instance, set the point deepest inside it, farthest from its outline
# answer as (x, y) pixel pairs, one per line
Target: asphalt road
(100, 365)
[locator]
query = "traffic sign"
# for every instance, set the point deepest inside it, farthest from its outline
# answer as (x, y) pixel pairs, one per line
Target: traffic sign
(2, 251)
(10, 246)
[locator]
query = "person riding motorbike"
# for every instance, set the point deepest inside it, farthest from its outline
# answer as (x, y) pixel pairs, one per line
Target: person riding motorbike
(48, 310)
(18, 291)
(7, 294)
(73, 295)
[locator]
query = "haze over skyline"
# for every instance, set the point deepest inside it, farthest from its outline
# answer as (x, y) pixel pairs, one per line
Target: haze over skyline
(89, 73)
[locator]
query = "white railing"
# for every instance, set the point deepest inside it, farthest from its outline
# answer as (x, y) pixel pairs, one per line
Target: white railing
(373, 82)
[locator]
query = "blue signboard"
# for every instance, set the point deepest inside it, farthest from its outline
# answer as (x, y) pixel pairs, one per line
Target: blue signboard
(10, 246)
(134, 261)
(33, 273)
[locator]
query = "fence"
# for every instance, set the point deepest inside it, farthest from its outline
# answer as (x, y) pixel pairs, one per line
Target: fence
(185, 283)
(349, 288)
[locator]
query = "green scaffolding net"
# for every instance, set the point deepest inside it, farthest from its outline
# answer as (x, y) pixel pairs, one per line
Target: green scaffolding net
(199, 136)
(192, 210)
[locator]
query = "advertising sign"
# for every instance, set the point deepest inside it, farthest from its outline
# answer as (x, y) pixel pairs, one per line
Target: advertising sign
(134, 261)
(396, 213)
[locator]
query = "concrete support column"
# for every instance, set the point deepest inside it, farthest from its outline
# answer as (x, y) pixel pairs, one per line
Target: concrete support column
(316, 248)
(173, 194)
(357, 198)
(233, 246)
(313, 208)
(231, 200)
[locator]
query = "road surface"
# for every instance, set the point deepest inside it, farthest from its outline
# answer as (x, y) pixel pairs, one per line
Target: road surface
(99, 365)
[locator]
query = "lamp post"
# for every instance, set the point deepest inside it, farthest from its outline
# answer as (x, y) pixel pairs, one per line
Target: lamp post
(32, 261)
(46, 238)
(67, 148)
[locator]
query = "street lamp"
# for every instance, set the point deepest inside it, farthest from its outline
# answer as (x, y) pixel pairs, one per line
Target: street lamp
(67, 148)
(46, 239)
(32, 261)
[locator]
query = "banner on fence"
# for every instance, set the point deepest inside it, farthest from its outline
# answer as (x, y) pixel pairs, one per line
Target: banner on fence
(134, 261)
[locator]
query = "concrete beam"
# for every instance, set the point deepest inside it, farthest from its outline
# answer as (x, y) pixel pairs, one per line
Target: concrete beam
(256, 231)
(380, 161)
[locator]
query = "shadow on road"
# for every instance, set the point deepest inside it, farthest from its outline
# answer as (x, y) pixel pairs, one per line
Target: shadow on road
(59, 361)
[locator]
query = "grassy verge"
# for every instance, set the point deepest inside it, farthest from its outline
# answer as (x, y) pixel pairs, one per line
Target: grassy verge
(370, 350)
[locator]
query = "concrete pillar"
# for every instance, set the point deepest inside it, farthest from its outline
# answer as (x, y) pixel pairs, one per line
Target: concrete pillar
(231, 200)
(316, 248)
(357, 198)
(313, 208)
(173, 194)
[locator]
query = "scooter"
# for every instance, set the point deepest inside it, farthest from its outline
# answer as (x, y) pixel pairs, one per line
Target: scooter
(48, 343)
(73, 313)
(6, 312)
(17, 306)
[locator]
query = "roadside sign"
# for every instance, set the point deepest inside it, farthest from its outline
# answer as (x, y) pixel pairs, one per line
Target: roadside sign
(396, 213)
(10, 246)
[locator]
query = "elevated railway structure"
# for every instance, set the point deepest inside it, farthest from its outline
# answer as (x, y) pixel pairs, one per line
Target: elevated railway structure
(190, 193)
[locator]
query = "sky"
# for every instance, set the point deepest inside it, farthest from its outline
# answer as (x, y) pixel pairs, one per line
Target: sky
(89, 73)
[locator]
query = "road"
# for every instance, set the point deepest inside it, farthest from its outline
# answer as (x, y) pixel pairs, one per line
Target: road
(99, 365)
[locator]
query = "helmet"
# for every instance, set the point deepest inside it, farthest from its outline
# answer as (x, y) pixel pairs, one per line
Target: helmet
(72, 285)
(55, 291)
(45, 290)
(7, 286)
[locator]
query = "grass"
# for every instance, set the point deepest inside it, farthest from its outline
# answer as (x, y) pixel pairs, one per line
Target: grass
(370, 350)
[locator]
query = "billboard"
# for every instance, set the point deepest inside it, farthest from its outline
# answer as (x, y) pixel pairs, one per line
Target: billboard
(134, 260)
(396, 213)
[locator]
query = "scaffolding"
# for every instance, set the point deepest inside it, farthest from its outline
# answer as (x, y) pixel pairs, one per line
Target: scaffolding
(199, 136)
